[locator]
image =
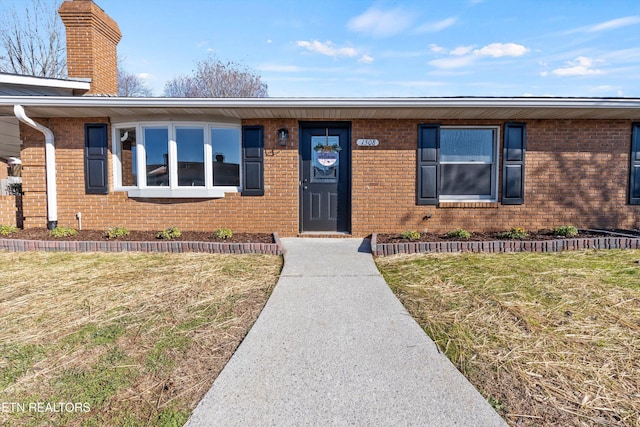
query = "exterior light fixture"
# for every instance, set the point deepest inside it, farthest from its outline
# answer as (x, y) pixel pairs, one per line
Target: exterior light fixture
(283, 137)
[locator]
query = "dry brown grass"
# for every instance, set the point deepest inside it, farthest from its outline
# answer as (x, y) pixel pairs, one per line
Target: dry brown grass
(549, 339)
(139, 336)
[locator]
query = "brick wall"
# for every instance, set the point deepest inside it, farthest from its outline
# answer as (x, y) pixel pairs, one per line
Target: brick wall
(275, 211)
(576, 173)
(4, 170)
(92, 37)
(8, 210)
(7, 203)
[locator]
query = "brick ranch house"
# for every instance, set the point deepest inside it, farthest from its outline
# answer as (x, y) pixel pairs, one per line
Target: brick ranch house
(301, 165)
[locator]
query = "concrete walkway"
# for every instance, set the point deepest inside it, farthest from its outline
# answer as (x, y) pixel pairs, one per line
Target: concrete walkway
(333, 346)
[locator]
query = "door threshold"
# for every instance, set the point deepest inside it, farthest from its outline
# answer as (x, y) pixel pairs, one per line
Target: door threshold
(328, 234)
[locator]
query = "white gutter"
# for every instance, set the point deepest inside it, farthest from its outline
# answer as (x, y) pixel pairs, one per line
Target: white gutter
(453, 102)
(50, 165)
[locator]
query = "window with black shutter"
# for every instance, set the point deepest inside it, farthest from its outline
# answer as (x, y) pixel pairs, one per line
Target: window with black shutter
(634, 180)
(253, 160)
(95, 158)
(460, 164)
(427, 186)
(515, 147)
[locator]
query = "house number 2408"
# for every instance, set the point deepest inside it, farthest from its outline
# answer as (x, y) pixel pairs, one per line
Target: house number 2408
(367, 142)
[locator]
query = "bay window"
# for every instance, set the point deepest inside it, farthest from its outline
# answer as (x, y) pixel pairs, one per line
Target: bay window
(177, 159)
(156, 154)
(190, 145)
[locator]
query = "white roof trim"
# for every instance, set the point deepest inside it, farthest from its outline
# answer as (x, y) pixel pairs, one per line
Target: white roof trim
(463, 108)
(462, 102)
(44, 82)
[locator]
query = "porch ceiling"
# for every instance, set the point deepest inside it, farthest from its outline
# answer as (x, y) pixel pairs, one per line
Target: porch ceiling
(328, 108)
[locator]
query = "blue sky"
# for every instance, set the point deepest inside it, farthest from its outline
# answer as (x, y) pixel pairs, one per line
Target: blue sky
(398, 48)
(392, 48)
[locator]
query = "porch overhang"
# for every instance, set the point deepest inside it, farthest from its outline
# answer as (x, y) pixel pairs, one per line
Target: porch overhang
(462, 108)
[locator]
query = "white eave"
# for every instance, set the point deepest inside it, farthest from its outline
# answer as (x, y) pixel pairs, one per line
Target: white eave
(15, 79)
(474, 108)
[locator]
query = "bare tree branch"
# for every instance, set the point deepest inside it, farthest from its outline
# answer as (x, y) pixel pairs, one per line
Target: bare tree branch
(32, 41)
(216, 79)
(131, 85)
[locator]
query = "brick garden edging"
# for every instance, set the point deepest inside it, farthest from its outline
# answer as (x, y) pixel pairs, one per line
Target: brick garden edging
(130, 246)
(558, 245)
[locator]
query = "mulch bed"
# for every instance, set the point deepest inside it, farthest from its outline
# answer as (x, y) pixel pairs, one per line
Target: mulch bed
(484, 237)
(141, 236)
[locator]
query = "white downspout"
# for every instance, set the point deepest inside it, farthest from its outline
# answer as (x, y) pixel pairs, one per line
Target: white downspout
(50, 165)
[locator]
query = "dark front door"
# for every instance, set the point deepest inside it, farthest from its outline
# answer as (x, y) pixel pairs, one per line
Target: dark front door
(325, 196)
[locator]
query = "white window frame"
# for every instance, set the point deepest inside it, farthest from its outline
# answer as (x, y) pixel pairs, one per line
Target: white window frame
(173, 190)
(494, 169)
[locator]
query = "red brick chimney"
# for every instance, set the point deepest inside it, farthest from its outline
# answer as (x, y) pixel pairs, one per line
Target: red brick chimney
(92, 37)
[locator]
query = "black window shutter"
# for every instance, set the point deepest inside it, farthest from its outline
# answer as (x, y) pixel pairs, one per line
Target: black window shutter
(95, 158)
(634, 181)
(515, 147)
(253, 160)
(428, 175)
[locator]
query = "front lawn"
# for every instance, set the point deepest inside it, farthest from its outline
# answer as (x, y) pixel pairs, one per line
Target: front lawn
(121, 338)
(548, 339)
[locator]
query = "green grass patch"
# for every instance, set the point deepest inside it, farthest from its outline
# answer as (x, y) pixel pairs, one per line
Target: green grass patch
(98, 383)
(550, 339)
(171, 417)
(92, 334)
(160, 356)
(16, 360)
(138, 337)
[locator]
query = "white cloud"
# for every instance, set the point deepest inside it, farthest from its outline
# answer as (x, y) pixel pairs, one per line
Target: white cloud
(435, 48)
(607, 90)
(145, 76)
(607, 25)
(463, 56)
(497, 50)
(455, 62)
(614, 23)
(623, 55)
(381, 23)
(581, 66)
(461, 50)
(433, 27)
(327, 48)
(544, 95)
(366, 59)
